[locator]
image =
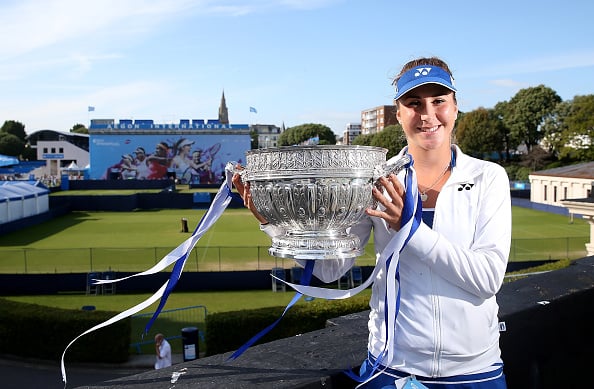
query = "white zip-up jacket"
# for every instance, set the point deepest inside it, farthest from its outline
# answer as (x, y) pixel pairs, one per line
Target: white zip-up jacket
(449, 274)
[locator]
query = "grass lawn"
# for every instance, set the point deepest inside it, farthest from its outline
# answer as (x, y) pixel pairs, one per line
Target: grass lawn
(134, 241)
(140, 229)
(213, 301)
(531, 224)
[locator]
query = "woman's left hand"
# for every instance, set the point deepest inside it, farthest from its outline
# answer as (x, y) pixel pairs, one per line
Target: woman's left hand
(392, 201)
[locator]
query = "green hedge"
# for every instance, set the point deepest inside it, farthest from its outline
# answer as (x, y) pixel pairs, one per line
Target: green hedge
(35, 331)
(227, 331)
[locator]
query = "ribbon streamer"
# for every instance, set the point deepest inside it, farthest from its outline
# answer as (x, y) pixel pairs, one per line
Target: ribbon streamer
(177, 256)
(305, 280)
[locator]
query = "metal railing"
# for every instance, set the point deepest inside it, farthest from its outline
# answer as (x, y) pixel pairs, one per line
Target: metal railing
(220, 258)
(170, 323)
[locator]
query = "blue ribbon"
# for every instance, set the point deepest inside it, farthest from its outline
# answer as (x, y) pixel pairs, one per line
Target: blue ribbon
(408, 212)
(305, 280)
(176, 274)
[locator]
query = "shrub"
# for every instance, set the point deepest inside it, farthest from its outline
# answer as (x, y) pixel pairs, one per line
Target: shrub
(227, 331)
(35, 331)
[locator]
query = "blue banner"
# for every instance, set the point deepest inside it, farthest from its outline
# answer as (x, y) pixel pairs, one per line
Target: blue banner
(189, 158)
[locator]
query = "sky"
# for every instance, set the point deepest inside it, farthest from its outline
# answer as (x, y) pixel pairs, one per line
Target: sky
(294, 61)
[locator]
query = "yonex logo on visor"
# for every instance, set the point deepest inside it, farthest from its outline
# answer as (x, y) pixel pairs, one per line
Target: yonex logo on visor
(422, 72)
(421, 75)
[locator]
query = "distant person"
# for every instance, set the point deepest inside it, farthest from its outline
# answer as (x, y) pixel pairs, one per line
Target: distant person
(159, 162)
(163, 351)
(127, 169)
(141, 164)
(182, 161)
(200, 173)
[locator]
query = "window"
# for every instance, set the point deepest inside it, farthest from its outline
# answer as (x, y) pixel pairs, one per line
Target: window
(61, 150)
(45, 150)
(545, 192)
(554, 194)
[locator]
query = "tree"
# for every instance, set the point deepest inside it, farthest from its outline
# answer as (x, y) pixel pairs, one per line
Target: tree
(553, 128)
(391, 138)
(363, 140)
(527, 111)
(578, 129)
(79, 129)
(15, 128)
(509, 143)
(254, 139)
(537, 159)
(299, 134)
(480, 132)
(11, 145)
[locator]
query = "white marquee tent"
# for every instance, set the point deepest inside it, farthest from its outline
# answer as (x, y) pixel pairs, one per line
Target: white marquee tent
(21, 199)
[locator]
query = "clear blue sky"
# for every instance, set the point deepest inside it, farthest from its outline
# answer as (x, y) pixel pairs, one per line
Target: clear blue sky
(295, 61)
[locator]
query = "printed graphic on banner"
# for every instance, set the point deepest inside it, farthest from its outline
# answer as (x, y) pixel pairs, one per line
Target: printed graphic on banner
(190, 159)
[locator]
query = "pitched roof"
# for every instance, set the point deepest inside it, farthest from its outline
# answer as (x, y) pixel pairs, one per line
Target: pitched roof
(580, 170)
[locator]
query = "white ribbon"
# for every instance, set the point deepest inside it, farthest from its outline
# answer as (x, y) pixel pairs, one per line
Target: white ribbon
(219, 204)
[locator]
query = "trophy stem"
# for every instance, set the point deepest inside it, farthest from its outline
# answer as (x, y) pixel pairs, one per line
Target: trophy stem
(318, 245)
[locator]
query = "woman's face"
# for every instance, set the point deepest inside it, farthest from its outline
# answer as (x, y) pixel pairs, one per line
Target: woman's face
(427, 115)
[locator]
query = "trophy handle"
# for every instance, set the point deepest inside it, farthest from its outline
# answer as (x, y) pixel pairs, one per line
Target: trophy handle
(236, 168)
(390, 168)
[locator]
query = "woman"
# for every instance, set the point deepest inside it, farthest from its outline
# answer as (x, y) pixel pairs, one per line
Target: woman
(446, 328)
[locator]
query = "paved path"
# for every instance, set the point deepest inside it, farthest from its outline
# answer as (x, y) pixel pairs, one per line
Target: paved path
(18, 373)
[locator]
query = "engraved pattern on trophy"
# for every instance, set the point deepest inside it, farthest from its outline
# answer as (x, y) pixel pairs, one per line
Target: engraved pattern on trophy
(315, 193)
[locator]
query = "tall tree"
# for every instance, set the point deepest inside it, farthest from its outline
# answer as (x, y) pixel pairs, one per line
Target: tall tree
(481, 133)
(526, 112)
(15, 128)
(554, 128)
(510, 144)
(578, 129)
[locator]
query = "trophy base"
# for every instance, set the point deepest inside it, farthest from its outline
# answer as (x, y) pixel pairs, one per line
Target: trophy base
(316, 247)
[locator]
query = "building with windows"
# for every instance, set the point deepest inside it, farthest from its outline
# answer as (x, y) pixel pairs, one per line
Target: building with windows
(267, 134)
(374, 120)
(351, 131)
(568, 182)
(59, 149)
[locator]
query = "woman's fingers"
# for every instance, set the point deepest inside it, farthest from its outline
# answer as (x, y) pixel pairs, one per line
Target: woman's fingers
(392, 200)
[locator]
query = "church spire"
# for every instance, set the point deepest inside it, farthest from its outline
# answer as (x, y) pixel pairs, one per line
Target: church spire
(223, 112)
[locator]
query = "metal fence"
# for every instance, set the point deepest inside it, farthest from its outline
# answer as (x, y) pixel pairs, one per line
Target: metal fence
(170, 323)
(219, 258)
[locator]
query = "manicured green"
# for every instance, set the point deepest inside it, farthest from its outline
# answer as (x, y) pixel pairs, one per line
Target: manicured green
(531, 224)
(134, 241)
(214, 301)
(140, 229)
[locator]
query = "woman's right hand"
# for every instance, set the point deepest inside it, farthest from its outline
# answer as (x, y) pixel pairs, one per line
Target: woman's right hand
(244, 192)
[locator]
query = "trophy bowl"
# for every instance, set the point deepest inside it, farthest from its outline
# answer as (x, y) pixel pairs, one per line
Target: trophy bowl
(315, 193)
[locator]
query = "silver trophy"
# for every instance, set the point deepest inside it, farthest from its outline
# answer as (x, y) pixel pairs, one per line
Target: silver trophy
(315, 193)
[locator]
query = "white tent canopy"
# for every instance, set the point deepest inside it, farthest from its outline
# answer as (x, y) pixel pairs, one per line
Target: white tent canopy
(20, 199)
(72, 167)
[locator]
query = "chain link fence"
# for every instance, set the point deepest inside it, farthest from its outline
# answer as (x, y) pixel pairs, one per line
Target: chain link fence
(220, 258)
